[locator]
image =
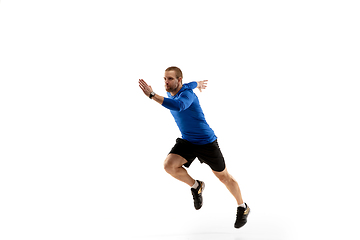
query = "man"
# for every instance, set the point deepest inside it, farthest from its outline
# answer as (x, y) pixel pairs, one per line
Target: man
(198, 139)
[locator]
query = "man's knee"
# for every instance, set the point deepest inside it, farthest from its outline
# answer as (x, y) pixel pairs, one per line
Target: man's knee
(171, 163)
(224, 177)
(168, 166)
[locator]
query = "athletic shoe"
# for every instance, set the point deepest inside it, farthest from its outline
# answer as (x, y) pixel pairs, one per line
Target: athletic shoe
(241, 216)
(197, 195)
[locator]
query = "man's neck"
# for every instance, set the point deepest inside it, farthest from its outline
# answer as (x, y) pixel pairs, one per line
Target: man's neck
(173, 93)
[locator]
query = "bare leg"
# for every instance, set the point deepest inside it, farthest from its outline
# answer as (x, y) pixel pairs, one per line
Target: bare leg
(231, 184)
(173, 165)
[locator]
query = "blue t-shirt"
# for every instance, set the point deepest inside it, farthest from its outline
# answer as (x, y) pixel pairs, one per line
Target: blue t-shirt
(186, 110)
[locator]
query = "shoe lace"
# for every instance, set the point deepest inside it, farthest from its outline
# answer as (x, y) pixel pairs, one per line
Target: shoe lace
(195, 194)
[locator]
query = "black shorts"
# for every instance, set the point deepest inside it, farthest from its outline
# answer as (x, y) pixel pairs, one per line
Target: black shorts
(208, 153)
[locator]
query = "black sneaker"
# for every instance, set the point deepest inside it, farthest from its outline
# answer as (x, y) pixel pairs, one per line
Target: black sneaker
(241, 216)
(197, 195)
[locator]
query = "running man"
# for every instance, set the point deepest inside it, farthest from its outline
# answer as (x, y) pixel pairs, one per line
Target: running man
(198, 139)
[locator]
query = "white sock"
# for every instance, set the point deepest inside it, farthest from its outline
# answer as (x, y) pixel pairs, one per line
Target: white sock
(196, 184)
(242, 205)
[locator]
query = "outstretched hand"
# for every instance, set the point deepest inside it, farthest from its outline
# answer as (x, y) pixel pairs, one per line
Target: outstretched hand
(145, 87)
(202, 84)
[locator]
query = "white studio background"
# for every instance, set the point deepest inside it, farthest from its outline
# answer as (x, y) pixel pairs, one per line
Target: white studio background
(81, 147)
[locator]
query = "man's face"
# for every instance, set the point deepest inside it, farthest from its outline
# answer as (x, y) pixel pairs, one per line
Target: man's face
(171, 82)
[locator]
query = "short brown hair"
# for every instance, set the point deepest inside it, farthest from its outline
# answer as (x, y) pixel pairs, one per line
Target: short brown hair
(178, 72)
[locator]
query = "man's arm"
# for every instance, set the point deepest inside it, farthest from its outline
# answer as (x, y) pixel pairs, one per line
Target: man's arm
(185, 100)
(158, 98)
(170, 103)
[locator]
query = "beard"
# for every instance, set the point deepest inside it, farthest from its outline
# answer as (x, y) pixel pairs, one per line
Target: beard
(171, 89)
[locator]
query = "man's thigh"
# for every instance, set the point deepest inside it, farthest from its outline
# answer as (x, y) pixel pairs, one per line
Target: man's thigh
(212, 156)
(182, 150)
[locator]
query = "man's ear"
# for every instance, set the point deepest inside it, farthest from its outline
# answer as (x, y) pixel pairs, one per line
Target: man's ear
(180, 79)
